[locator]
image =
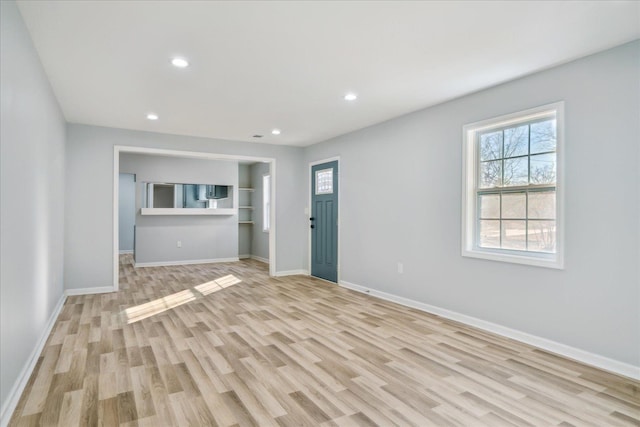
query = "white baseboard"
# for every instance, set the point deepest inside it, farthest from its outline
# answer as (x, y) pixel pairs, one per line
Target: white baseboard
(89, 291)
(126, 251)
(258, 258)
(583, 356)
(291, 273)
(185, 262)
(16, 391)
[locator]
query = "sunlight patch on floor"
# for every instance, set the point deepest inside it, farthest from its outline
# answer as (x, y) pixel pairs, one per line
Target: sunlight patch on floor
(160, 305)
(216, 285)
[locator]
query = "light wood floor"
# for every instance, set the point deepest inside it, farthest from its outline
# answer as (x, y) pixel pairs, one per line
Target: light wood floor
(180, 346)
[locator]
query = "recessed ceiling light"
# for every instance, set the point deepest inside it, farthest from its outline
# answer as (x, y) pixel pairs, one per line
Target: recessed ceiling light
(350, 96)
(152, 116)
(276, 132)
(180, 62)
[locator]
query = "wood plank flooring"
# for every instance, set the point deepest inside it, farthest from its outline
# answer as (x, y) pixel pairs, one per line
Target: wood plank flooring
(225, 345)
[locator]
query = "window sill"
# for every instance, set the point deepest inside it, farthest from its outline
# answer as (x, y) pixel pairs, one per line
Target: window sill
(537, 260)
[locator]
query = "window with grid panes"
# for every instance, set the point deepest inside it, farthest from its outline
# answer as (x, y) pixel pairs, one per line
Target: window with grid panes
(511, 188)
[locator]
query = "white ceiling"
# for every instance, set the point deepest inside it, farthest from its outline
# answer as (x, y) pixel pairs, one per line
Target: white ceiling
(261, 65)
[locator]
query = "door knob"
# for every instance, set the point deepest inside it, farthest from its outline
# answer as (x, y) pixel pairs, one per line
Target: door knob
(313, 226)
(312, 219)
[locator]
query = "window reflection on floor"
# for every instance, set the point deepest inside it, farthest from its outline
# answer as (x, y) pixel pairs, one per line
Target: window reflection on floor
(160, 305)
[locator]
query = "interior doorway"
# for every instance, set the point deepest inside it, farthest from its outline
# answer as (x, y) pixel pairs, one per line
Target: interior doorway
(118, 149)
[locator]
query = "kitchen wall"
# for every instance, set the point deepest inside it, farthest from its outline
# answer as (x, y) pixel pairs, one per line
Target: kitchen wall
(211, 238)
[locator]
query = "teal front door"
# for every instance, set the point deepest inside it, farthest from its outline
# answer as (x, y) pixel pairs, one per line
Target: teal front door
(324, 221)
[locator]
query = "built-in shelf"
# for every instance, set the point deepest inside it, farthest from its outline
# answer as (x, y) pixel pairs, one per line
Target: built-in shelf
(245, 211)
(187, 211)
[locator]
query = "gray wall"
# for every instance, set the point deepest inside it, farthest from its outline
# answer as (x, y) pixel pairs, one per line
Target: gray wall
(260, 241)
(88, 260)
(126, 211)
(401, 202)
(32, 193)
(153, 168)
(202, 237)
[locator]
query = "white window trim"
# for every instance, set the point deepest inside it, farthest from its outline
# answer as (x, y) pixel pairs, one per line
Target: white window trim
(469, 199)
(266, 210)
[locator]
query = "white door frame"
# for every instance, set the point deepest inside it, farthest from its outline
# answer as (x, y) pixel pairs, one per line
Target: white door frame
(117, 149)
(311, 165)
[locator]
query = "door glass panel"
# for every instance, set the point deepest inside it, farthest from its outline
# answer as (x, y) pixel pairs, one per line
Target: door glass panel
(324, 181)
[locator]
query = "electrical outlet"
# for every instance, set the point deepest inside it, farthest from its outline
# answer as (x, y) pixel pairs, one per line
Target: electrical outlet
(179, 244)
(400, 268)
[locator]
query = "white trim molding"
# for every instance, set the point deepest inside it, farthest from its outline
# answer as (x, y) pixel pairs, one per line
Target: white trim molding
(266, 194)
(583, 356)
(258, 258)
(291, 273)
(13, 397)
(185, 262)
(125, 251)
(89, 291)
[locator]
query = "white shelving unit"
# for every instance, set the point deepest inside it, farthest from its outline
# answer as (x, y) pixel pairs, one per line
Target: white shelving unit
(245, 210)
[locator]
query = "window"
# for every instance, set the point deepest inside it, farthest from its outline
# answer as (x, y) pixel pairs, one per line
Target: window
(324, 181)
(512, 208)
(266, 202)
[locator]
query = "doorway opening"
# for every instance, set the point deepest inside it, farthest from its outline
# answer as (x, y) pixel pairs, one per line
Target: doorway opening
(118, 150)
